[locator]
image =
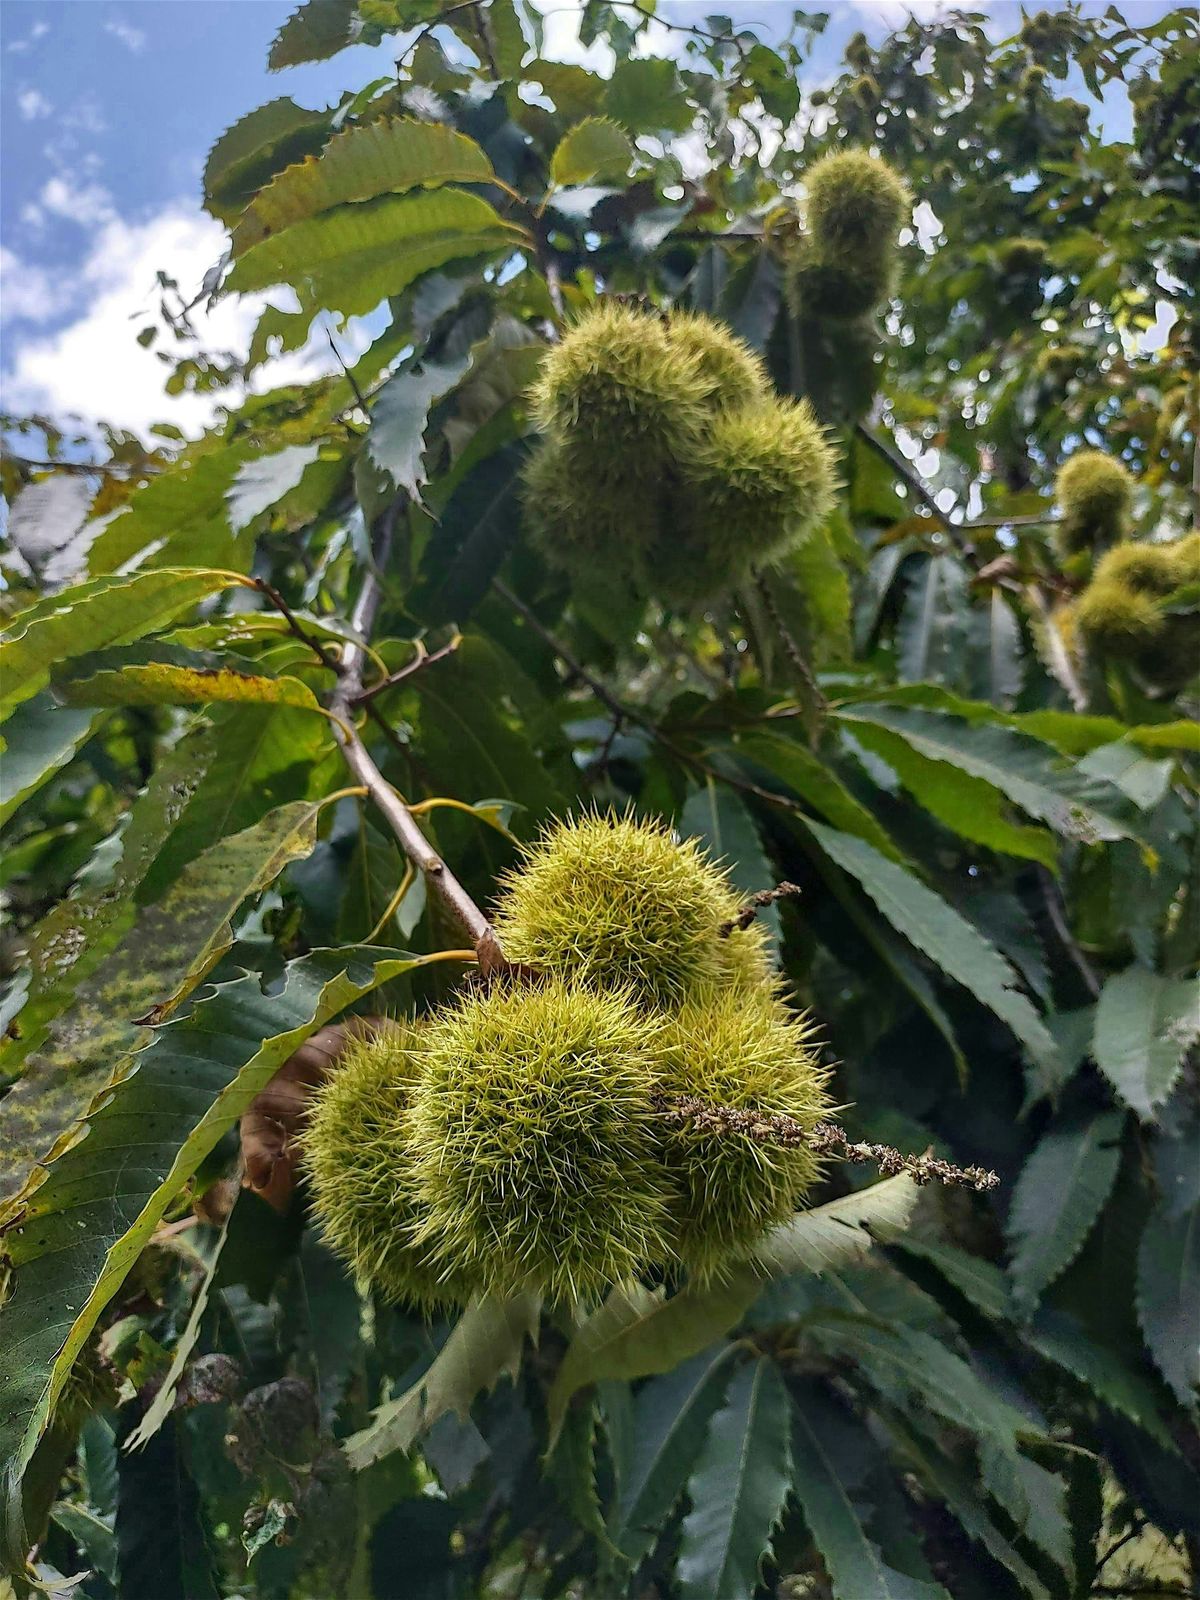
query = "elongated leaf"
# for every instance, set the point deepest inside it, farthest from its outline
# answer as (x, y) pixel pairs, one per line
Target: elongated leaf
(377, 158)
(738, 1489)
(999, 667)
(74, 1243)
(161, 1545)
(1073, 803)
(486, 1343)
(162, 958)
(935, 928)
(350, 259)
(38, 741)
(909, 1366)
(717, 815)
(957, 1489)
(1058, 1338)
(812, 781)
(1144, 1025)
(638, 1332)
(829, 1462)
(593, 149)
(967, 804)
(94, 615)
(1168, 1270)
(670, 1419)
(262, 757)
(399, 417)
(180, 516)
(159, 1408)
(1067, 731)
(166, 675)
(1059, 1195)
(933, 624)
(836, 1233)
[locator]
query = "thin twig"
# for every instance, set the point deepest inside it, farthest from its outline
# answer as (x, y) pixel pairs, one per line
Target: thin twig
(794, 653)
(639, 718)
(1052, 898)
(764, 897)
(903, 471)
(269, 592)
(400, 819)
(425, 659)
(823, 1138)
(347, 373)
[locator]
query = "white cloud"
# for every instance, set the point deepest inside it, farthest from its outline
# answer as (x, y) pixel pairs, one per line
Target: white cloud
(88, 204)
(30, 293)
(92, 367)
(132, 38)
(32, 103)
(38, 31)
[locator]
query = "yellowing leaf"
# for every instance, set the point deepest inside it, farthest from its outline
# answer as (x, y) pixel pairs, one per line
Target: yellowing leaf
(594, 148)
(384, 157)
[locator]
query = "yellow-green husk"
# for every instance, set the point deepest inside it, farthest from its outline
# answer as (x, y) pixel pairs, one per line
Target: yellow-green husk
(359, 1168)
(533, 1131)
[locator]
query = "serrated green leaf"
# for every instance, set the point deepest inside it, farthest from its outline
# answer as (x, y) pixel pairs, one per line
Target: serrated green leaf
(80, 1233)
(966, 804)
(362, 163)
(829, 1463)
(262, 757)
(1061, 1191)
(957, 1489)
(639, 1332)
(593, 149)
(738, 1489)
(167, 675)
(92, 1534)
(836, 1233)
(92, 616)
(256, 147)
(811, 780)
(670, 1419)
(400, 415)
(1144, 1025)
(159, 1409)
(1168, 1267)
(178, 517)
(38, 741)
(1075, 804)
(161, 959)
(936, 929)
(487, 1342)
(315, 31)
(1058, 1338)
(351, 258)
(997, 656)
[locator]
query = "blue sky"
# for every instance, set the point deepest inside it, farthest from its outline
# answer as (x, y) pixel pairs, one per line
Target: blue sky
(108, 110)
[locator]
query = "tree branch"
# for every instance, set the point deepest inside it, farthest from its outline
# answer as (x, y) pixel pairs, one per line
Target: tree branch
(425, 659)
(438, 876)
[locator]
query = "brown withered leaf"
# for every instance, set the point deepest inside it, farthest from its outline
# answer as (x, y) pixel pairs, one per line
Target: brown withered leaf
(269, 1128)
